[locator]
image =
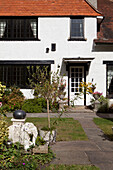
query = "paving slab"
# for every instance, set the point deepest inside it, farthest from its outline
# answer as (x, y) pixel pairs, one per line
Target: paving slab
(100, 157)
(71, 158)
(95, 134)
(75, 146)
(105, 145)
(87, 123)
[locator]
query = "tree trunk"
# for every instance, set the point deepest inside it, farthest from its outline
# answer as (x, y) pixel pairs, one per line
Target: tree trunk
(48, 113)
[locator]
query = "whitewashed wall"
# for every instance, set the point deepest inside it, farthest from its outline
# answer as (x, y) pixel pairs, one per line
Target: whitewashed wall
(57, 30)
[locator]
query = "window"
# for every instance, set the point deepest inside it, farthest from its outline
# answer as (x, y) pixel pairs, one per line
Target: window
(77, 28)
(17, 74)
(14, 75)
(110, 81)
(18, 29)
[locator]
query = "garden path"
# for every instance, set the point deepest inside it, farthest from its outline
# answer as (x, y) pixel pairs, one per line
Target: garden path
(98, 150)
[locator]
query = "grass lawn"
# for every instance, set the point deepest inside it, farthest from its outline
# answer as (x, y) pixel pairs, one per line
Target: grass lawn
(68, 129)
(71, 167)
(106, 126)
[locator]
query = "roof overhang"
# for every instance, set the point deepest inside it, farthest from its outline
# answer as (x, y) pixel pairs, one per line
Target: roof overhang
(78, 60)
(26, 62)
(108, 62)
(100, 19)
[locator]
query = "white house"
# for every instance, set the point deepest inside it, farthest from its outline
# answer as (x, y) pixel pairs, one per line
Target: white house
(55, 33)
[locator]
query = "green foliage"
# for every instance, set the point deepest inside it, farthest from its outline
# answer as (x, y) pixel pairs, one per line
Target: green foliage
(46, 85)
(2, 88)
(3, 130)
(15, 157)
(77, 96)
(106, 126)
(103, 107)
(34, 105)
(48, 129)
(111, 109)
(12, 99)
(54, 106)
(39, 141)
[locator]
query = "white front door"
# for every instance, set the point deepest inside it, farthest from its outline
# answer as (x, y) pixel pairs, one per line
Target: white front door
(76, 76)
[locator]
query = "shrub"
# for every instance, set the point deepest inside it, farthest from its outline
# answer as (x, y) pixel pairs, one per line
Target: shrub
(3, 130)
(34, 105)
(104, 106)
(12, 99)
(111, 109)
(54, 106)
(15, 158)
(2, 89)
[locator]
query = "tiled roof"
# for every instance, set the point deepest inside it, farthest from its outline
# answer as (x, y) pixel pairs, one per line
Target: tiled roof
(46, 8)
(106, 29)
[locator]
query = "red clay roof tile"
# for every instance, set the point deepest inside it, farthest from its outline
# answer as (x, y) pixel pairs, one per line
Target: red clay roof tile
(46, 8)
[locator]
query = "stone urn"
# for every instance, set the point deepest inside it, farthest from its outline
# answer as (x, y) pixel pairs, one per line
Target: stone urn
(61, 96)
(48, 136)
(96, 96)
(19, 114)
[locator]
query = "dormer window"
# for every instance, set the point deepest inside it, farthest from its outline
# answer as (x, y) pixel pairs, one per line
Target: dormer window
(18, 29)
(77, 28)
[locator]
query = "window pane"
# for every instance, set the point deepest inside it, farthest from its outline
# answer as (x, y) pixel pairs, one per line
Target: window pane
(11, 75)
(77, 28)
(18, 28)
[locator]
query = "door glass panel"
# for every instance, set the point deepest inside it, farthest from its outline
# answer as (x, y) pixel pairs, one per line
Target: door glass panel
(76, 78)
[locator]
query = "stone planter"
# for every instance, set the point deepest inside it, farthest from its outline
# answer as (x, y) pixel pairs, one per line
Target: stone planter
(96, 105)
(61, 96)
(96, 96)
(48, 136)
(40, 149)
(61, 105)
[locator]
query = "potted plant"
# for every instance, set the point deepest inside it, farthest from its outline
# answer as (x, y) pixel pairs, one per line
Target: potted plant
(97, 95)
(40, 146)
(48, 135)
(46, 85)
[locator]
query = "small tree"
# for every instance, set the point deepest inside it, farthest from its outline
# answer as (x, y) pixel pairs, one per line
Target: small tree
(46, 84)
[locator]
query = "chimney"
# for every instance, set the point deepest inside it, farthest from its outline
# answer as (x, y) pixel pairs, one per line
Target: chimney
(93, 3)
